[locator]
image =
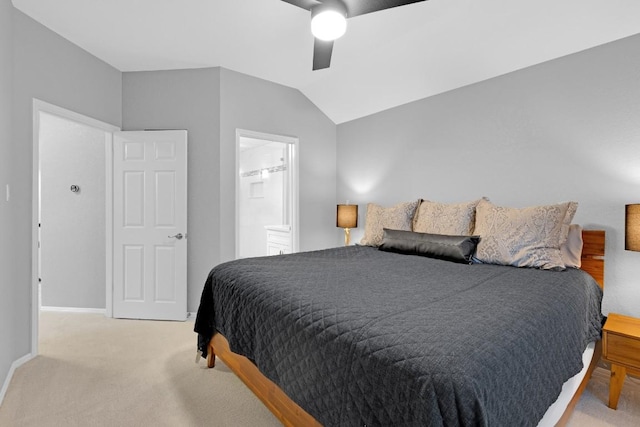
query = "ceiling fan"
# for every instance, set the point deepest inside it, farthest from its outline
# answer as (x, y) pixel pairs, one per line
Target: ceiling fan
(328, 21)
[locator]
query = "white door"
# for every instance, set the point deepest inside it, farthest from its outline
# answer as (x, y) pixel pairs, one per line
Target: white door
(150, 225)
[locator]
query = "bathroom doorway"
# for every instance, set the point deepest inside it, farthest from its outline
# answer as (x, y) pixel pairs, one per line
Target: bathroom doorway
(266, 194)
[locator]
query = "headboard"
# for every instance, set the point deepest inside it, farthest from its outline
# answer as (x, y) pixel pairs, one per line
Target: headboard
(593, 254)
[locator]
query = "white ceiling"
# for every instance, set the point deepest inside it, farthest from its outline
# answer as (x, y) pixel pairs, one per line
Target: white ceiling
(386, 59)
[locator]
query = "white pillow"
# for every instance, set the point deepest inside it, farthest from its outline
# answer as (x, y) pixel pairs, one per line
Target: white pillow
(571, 249)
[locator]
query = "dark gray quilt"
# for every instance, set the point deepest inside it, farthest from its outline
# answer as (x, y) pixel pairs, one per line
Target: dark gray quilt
(358, 336)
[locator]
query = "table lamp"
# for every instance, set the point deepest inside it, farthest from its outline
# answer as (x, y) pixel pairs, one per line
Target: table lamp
(347, 218)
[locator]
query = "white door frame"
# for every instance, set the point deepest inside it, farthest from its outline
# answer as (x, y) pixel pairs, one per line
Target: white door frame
(40, 106)
(293, 179)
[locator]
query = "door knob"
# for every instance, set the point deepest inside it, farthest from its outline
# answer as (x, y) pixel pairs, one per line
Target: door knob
(178, 236)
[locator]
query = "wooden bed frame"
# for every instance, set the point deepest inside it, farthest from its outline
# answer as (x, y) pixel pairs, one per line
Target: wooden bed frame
(292, 415)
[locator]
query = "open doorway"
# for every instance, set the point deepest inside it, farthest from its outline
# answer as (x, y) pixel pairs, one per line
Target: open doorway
(71, 188)
(72, 221)
(266, 194)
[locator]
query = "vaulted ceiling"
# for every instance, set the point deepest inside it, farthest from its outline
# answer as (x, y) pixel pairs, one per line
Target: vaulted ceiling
(386, 58)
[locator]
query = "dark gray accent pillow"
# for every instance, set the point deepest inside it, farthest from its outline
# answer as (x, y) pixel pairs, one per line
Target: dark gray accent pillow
(451, 248)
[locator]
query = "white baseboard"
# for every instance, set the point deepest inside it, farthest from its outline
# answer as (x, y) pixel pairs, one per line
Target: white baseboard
(74, 310)
(191, 315)
(15, 365)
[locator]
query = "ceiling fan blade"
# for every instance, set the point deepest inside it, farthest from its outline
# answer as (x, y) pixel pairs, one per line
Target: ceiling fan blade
(305, 4)
(322, 54)
(361, 7)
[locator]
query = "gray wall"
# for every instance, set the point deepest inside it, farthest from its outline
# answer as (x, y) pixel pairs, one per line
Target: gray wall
(10, 336)
(186, 99)
(72, 236)
(568, 129)
(211, 103)
(48, 67)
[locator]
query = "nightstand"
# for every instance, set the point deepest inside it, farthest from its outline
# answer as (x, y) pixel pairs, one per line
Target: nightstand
(621, 348)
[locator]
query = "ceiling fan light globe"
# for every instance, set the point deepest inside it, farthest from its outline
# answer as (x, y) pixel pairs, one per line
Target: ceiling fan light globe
(328, 25)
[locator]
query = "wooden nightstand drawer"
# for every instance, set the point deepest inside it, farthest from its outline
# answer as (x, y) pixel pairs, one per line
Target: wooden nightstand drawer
(623, 350)
(621, 347)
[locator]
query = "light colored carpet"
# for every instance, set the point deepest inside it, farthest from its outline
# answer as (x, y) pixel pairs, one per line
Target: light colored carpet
(592, 409)
(95, 371)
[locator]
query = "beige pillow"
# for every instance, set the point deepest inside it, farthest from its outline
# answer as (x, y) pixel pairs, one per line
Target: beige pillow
(571, 249)
(454, 219)
(398, 217)
(524, 237)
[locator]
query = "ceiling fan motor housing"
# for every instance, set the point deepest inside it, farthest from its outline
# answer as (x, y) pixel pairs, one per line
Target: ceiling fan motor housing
(329, 20)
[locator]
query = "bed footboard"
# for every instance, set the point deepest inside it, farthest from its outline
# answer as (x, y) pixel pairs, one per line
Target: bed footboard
(291, 415)
(272, 396)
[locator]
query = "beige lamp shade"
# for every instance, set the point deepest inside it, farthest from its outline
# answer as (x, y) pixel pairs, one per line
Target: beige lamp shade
(347, 216)
(632, 228)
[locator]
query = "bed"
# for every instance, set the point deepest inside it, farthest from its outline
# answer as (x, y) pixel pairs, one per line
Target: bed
(349, 336)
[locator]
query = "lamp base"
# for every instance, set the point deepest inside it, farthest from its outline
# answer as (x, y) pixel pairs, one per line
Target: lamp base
(347, 236)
